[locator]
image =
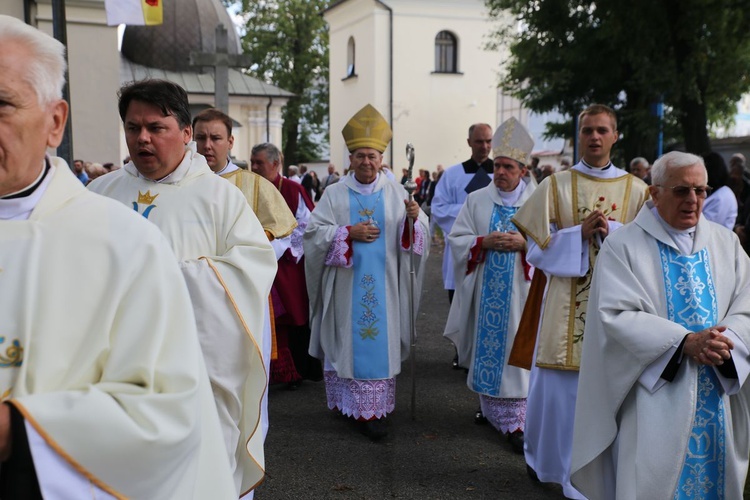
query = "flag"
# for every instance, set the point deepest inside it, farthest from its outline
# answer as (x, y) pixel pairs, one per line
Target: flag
(133, 12)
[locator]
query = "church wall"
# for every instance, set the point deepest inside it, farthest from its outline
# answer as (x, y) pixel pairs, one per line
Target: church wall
(431, 110)
(12, 8)
(94, 70)
(368, 25)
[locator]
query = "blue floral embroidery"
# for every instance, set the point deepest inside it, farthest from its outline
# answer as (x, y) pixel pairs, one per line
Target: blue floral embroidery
(369, 301)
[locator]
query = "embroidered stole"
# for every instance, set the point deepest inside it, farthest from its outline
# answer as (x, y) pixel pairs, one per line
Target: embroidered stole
(691, 302)
(494, 310)
(369, 313)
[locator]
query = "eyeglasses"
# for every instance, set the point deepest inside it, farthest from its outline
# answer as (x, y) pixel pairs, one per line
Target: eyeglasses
(684, 191)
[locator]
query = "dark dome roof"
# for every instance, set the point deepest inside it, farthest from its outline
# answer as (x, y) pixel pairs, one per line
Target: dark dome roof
(189, 26)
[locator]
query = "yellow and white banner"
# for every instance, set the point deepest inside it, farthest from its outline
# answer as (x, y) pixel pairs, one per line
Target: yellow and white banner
(133, 12)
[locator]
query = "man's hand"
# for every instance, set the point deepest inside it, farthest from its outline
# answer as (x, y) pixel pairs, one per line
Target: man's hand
(512, 241)
(596, 222)
(412, 209)
(365, 232)
(5, 435)
(709, 346)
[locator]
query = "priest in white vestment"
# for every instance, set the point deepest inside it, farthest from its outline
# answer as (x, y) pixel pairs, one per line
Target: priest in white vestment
(492, 281)
(212, 130)
(662, 407)
(451, 191)
(224, 254)
(105, 393)
(565, 221)
(358, 278)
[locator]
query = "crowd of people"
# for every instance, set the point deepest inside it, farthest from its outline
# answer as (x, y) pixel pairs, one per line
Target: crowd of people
(602, 317)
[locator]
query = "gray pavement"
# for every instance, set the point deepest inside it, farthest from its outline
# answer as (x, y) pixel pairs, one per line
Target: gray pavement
(311, 453)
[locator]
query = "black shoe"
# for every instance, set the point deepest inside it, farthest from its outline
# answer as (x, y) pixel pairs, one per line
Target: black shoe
(516, 441)
(375, 429)
(479, 417)
(455, 362)
(532, 473)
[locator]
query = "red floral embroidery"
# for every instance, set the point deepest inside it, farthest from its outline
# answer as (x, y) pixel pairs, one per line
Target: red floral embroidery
(600, 202)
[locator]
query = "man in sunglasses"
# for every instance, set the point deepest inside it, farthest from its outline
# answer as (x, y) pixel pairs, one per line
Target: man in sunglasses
(662, 407)
(565, 222)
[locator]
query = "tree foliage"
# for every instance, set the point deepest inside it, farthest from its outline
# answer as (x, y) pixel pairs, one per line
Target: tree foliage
(692, 55)
(288, 40)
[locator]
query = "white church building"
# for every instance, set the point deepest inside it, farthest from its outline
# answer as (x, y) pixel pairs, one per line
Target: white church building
(423, 65)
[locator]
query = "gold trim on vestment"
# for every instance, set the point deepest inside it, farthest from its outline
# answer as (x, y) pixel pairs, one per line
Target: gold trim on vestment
(73, 463)
(259, 351)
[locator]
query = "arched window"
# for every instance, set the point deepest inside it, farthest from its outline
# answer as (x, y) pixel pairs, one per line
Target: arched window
(350, 54)
(446, 53)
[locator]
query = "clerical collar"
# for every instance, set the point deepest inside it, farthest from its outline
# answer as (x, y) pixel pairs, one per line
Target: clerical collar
(173, 177)
(683, 238)
(228, 169)
(20, 208)
(605, 167)
(472, 167)
(23, 193)
(511, 197)
(366, 189)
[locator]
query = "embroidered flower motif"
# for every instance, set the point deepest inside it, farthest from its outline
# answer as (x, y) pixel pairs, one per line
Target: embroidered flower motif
(13, 354)
(600, 202)
(368, 319)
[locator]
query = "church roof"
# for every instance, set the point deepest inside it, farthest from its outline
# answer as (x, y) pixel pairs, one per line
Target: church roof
(193, 82)
(188, 26)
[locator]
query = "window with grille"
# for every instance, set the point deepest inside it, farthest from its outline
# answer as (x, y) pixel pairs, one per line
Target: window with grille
(446, 53)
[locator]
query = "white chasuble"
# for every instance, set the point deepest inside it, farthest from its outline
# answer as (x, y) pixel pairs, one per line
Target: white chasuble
(336, 293)
(688, 438)
(564, 200)
(107, 367)
(489, 300)
(229, 267)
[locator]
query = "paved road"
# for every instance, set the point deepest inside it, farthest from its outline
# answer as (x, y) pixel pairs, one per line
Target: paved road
(311, 453)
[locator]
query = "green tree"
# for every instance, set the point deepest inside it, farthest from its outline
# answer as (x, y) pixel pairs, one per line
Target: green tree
(692, 55)
(288, 40)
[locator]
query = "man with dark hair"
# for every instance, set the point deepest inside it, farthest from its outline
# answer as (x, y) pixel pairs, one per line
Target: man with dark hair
(291, 307)
(109, 399)
(212, 130)
(565, 221)
(223, 252)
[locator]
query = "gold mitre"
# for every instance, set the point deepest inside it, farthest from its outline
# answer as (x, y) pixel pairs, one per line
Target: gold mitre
(513, 141)
(367, 129)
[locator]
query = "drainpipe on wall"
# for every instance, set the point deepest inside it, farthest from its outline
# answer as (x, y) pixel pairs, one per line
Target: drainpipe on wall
(390, 71)
(268, 120)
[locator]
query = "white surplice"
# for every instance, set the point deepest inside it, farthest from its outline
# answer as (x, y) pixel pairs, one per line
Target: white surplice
(450, 195)
(229, 267)
(109, 376)
(632, 428)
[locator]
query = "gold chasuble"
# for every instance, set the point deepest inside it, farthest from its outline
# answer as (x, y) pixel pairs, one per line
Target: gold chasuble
(569, 198)
(266, 201)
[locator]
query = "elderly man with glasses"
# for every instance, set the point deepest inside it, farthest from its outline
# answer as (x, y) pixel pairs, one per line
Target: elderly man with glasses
(662, 401)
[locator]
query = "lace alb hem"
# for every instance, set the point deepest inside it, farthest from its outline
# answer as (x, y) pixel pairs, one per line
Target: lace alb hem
(365, 399)
(505, 414)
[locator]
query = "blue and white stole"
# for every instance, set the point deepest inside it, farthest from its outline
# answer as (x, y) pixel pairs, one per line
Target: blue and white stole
(494, 309)
(369, 312)
(691, 302)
